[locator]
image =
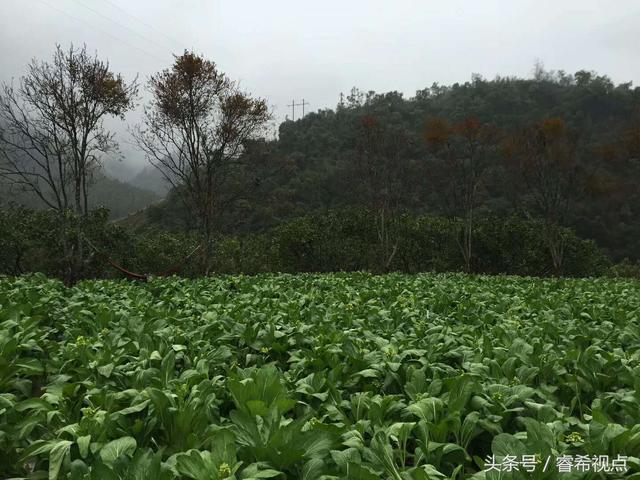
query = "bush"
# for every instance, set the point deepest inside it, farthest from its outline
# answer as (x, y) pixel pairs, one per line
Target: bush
(344, 240)
(517, 246)
(427, 244)
(336, 241)
(31, 241)
(625, 269)
(158, 252)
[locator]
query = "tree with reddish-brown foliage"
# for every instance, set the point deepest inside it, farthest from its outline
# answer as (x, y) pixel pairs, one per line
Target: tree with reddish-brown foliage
(546, 157)
(195, 131)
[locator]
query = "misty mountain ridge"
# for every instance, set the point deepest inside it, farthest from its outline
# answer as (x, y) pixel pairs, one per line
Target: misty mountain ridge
(120, 197)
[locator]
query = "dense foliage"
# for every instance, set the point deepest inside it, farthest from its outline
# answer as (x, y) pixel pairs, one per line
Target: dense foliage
(342, 240)
(31, 241)
(341, 376)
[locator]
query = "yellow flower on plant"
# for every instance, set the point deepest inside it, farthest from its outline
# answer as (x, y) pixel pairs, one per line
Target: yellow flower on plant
(574, 437)
(224, 470)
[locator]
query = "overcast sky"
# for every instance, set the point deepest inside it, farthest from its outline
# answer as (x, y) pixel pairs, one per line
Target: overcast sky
(286, 49)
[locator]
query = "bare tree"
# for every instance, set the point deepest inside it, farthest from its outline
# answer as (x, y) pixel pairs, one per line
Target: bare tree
(464, 149)
(381, 173)
(195, 131)
(52, 136)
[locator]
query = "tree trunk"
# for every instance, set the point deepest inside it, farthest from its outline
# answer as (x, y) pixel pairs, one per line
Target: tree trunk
(464, 240)
(207, 246)
(555, 243)
(388, 247)
(67, 249)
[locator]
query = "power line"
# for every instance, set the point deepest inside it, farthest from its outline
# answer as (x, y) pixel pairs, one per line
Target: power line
(161, 47)
(146, 24)
(103, 31)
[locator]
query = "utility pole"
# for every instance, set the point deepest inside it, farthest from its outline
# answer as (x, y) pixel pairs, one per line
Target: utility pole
(303, 104)
(293, 106)
(293, 110)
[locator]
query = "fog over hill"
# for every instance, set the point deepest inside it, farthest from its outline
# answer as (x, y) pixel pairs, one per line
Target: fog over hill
(121, 198)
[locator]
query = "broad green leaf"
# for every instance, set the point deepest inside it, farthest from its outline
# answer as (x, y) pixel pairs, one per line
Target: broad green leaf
(117, 448)
(57, 455)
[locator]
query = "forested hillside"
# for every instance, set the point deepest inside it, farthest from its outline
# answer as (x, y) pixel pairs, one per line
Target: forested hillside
(315, 154)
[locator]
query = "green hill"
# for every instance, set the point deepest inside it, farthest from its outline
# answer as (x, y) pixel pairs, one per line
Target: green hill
(318, 150)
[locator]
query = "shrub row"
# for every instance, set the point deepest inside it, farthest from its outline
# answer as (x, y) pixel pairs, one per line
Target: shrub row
(343, 240)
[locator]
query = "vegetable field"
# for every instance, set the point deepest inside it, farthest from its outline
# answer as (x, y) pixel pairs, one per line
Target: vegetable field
(339, 376)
